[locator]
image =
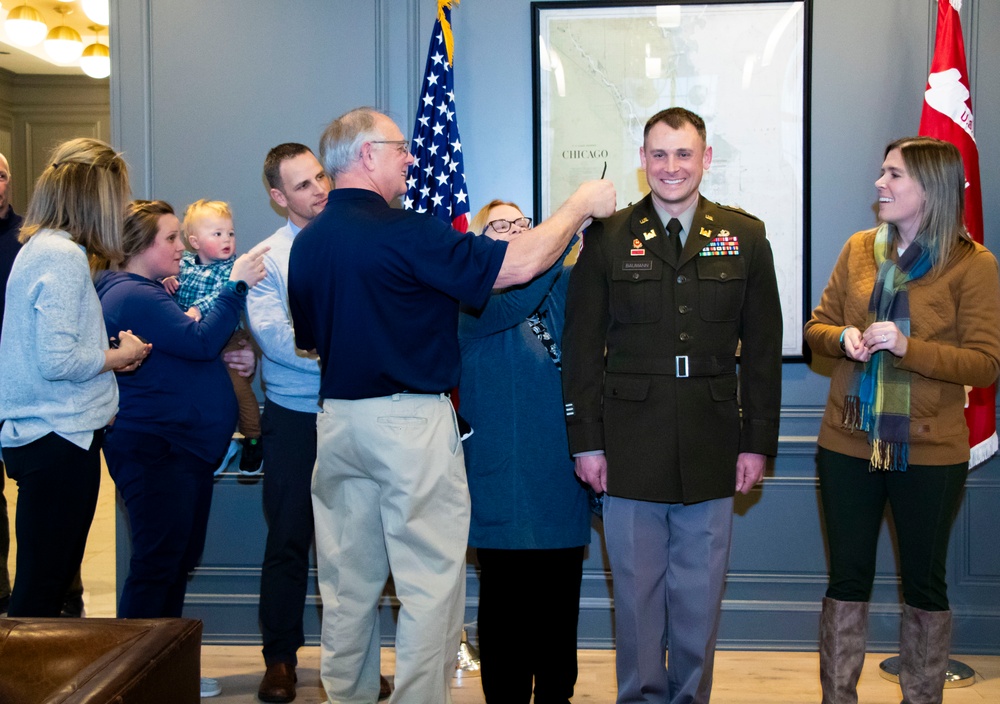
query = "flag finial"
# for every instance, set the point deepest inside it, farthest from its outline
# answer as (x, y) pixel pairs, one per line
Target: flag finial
(449, 40)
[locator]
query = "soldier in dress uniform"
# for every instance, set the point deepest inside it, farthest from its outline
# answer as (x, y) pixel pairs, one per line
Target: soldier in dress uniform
(664, 295)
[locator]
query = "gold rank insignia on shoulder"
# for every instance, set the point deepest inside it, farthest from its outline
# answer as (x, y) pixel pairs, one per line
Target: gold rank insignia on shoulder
(705, 233)
(649, 234)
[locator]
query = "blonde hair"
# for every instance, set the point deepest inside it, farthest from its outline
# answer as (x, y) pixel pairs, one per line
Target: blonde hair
(83, 191)
(200, 209)
(142, 222)
(480, 220)
(937, 166)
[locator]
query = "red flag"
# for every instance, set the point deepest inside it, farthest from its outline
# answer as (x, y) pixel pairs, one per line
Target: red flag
(947, 115)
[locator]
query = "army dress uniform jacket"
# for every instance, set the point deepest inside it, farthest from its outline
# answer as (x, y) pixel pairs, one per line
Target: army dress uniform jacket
(649, 352)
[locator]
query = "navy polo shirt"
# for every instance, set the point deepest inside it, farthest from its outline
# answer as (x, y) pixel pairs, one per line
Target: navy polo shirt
(375, 291)
(10, 227)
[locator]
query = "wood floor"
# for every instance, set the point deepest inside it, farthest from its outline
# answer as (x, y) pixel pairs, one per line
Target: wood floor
(740, 677)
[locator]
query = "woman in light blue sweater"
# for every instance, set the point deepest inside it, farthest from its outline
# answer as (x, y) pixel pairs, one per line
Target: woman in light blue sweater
(530, 515)
(57, 392)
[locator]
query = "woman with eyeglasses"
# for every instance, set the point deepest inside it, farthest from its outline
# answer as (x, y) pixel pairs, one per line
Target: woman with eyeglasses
(530, 515)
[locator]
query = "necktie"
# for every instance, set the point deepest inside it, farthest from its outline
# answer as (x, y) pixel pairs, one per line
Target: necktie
(674, 230)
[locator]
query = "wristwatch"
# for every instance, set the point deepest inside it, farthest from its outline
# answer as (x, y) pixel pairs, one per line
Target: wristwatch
(240, 288)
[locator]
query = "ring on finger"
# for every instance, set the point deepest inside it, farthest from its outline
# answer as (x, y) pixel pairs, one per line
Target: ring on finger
(884, 338)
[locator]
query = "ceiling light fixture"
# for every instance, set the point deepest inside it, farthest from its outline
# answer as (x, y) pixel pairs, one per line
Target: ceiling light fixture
(24, 26)
(96, 59)
(64, 44)
(98, 11)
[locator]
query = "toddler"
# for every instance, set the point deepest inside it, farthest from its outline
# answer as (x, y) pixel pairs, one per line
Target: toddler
(205, 268)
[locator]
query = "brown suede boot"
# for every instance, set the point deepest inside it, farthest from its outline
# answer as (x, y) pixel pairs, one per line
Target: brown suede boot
(924, 644)
(843, 630)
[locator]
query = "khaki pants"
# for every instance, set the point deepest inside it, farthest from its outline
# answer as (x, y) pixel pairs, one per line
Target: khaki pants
(390, 494)
(246, 399)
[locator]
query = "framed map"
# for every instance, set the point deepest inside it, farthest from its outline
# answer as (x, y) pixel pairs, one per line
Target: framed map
(601, 69)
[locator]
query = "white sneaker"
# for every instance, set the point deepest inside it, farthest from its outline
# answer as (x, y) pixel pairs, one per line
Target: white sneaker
(210, 687)
(234, 448)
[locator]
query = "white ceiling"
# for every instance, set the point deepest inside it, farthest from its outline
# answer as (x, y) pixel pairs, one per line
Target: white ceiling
(34, 59)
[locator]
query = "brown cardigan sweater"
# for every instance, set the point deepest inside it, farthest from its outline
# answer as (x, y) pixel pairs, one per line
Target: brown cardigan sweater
(954, 341)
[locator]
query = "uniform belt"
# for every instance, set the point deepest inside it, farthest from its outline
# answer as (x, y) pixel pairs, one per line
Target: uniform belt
(680, 366)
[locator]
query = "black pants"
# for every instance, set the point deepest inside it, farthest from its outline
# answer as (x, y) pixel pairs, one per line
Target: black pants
(924, 500)
(529, 604)
(57, 487)
(167, 492)
(289, 456)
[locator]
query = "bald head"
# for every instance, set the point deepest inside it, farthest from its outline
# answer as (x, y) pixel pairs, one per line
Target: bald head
(4, 186)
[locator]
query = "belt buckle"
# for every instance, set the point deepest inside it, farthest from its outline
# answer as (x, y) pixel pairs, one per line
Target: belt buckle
(681, 362)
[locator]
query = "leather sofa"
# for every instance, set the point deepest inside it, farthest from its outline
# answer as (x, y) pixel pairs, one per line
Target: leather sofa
(99, 660)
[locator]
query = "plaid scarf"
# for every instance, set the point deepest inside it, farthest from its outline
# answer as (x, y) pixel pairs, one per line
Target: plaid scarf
(879, 402)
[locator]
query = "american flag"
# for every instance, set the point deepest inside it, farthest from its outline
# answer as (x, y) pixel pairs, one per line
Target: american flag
(436, 181)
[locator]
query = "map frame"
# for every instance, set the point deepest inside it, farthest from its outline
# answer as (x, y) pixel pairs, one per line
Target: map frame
(726, 61)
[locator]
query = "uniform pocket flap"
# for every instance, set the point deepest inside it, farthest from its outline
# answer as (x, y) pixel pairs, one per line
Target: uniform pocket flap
(723, 388)
(721, 268)
(626, 388)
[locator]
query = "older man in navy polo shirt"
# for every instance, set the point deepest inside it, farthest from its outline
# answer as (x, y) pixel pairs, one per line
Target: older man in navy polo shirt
(375, 290)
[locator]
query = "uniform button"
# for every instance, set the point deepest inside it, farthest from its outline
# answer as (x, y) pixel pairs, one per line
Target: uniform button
(683, 309)
(684, 337)
(635, 277)
(722, 275)
(681, 279)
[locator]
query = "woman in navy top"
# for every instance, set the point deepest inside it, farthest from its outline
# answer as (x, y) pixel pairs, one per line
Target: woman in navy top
(177, 412)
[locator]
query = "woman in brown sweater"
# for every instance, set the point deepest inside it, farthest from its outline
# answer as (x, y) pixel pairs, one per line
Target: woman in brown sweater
(912, 315)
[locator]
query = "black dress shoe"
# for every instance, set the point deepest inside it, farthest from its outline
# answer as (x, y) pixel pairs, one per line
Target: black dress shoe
(384, 689)
(72, 606)
(278, 684)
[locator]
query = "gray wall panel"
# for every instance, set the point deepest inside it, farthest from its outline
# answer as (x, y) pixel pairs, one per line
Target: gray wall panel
(201, 91)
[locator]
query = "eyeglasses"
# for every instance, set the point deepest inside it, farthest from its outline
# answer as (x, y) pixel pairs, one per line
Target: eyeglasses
(501, 226)
(402, 145)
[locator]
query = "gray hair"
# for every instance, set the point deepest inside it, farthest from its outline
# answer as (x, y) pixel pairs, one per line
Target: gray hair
(340, 145)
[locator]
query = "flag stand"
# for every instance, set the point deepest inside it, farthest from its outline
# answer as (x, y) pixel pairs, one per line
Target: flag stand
(957, 675)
